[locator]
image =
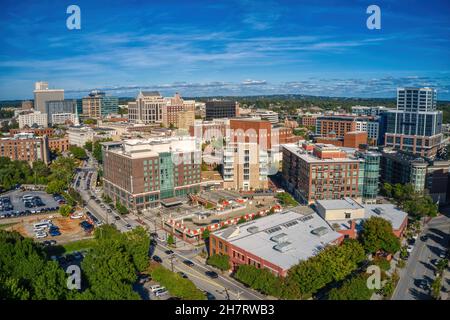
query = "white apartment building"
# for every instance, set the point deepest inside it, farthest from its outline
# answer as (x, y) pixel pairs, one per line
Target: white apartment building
(79, 135)
(245, 167)
(63, 118)
(33, 118)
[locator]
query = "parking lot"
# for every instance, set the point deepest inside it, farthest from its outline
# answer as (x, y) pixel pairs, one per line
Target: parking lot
(19, 208)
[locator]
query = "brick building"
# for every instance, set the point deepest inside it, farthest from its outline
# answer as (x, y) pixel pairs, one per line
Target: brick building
(143, 173)
(320, 171)
(58, 144)
(275, 242)
(26, 147)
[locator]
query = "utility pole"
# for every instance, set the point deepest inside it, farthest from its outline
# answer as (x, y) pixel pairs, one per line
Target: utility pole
(171, 258)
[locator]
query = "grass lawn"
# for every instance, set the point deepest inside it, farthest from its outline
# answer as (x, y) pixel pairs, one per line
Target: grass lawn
(79, 245)
(7, 225)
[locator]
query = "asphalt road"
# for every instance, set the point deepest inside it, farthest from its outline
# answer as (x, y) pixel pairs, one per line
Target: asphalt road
(222, 287)
(418, 266)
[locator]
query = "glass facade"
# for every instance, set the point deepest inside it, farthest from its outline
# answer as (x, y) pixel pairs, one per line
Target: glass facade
(109, 105)
(166, 180)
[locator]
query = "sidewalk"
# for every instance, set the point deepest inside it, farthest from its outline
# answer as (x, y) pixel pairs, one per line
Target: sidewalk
(445, 291)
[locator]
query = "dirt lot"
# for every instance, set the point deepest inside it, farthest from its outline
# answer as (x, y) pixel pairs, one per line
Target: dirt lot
(69, 228)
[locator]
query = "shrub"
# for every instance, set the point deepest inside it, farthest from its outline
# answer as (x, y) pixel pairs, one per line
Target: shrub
(219, 261)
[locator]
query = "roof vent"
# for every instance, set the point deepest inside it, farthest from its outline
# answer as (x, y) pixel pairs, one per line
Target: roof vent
(253, 229)
(320, 231)
(283, 247)
(279, 238)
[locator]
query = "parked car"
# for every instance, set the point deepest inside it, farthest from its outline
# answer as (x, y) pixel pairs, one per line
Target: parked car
(410, 248)
(442, 254)
(117, 217)
(161, 292)
(210, 296)
(424, 238)
(183, 275)
(40, 235)
(155, 287)
(168, 252)
(189, 263)
(157, 259)
(144, 278)
(128, 226)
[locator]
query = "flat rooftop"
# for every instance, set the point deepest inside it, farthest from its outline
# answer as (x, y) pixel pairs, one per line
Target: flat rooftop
(387, 211)
(346, 203)
(308, 157)
(283, 238)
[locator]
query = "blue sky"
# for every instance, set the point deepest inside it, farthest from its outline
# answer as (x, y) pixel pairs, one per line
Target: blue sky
(235, 47)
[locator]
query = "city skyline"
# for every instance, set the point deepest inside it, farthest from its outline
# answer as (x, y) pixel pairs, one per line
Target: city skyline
(225, 48)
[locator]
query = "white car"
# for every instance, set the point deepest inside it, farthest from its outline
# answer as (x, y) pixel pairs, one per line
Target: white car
(155, 288)
(76, 216)
(410, 249)
(161, 292)
(40, 235)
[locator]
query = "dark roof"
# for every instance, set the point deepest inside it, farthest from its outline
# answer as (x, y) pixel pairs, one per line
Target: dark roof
(150, 93)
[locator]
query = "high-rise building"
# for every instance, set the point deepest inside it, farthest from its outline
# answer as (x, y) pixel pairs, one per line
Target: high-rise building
(26, 147)
(98, 105)
(416, 125)
(245, 166)
(148, 108)
(58, 111)
(402, 167)
(42, 94)
(144, 173)
(178, 113)
(216, 109)
(369, 175)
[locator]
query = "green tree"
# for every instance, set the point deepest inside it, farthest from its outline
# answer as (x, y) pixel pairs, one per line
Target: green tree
(219, 261)
(78, 152)
(206, 233)
(121, 209)
(65, 210)
(170, 240)
(286, 199)
(353, 289)
(56, 186)
(88, 146)
(377, 234)
(109, 271)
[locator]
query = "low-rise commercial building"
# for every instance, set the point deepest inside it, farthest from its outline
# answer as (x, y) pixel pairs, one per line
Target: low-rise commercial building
(79, 135)
(347, 216)
(276, 242)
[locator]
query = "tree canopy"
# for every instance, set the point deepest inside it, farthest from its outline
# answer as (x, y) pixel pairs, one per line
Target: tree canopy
(377, 234)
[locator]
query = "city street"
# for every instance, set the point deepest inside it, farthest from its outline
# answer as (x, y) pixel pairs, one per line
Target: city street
(419, 265)
(222, 288)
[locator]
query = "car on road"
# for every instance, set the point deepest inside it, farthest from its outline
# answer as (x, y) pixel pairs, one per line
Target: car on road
(424, 238)
(109, 210)
(116, 217)
(128, 226)
(410, 248)
(168, 252)
(157, 259)
(189, 263)
(212, 274)
(183, 275)
(161, 292)
(442, 254)
(210, 296)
